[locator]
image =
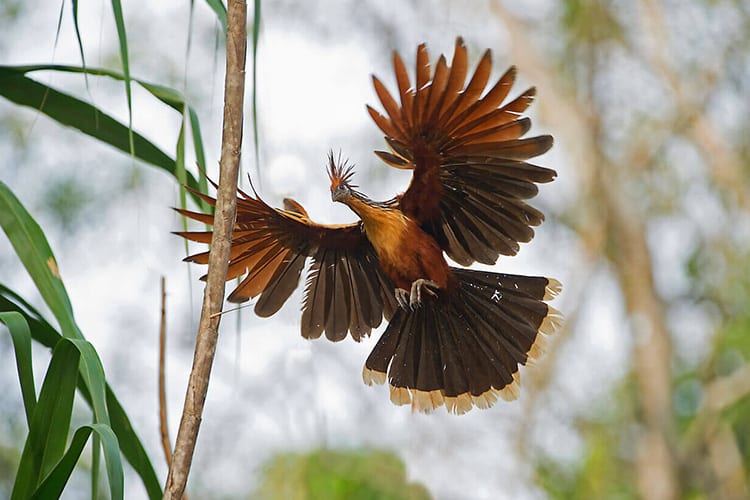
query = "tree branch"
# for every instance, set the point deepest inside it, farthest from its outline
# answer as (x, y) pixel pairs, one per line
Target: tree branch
(224, 217)
(163, 423)
(613, 229)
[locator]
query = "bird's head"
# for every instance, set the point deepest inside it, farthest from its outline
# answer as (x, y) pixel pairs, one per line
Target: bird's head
(340, 172)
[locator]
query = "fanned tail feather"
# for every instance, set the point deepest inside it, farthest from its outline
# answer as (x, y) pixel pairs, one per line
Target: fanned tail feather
(464, 349)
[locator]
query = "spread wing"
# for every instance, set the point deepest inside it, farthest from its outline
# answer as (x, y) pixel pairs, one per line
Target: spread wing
(470, 175)
(346, 288)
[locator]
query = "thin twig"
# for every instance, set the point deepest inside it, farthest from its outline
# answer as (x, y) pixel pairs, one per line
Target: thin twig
(218, 259)
(230, 310)
(163, 425)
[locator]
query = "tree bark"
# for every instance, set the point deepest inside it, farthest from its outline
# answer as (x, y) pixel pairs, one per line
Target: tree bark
(612, 228)
(224, 217)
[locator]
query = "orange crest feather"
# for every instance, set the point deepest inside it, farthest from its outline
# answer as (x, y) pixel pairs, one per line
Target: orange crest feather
(340, 171)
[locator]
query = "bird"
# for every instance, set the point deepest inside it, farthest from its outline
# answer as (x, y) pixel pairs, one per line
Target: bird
(456, 336)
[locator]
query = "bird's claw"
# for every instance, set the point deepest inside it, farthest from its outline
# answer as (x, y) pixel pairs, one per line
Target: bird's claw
(415, 300)
(409, 300)
(402, 297)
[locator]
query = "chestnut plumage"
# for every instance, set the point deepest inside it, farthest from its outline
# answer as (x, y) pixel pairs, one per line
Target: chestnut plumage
(456, 337)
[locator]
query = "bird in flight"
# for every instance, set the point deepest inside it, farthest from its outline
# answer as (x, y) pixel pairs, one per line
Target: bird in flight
(455, 336)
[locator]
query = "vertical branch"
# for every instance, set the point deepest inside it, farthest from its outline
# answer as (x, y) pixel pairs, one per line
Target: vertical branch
(614, 230)
(163, 424)
(224, 217)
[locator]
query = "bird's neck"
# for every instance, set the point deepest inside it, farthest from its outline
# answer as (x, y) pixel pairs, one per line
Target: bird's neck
(380, 220)
(364, 207)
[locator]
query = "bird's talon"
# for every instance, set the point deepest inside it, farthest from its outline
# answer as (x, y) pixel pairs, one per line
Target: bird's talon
(402, 297)
(415, 297)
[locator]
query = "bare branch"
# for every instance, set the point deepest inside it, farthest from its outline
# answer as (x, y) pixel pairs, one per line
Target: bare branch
(163, 423)
(612, 217)
(224, 218)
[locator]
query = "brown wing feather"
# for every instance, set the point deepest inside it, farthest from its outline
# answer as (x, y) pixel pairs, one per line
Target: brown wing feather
(405, 91)
(468, 154)
(345, 286)
(423, 76)
(459, 68)
(437, 88)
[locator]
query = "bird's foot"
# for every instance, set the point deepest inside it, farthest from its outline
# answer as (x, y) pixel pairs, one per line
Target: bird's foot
(417, 287)
(409, 300)
(402, 297)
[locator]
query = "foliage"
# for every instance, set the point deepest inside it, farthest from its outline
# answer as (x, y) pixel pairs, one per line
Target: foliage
(332, 475)
(703, 413)
(46, 464)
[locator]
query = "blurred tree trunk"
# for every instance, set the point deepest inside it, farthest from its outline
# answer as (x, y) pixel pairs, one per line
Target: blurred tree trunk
(612, 227)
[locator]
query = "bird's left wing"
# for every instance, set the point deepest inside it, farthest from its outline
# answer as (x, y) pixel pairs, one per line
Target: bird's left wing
(471, 177)
(346, 289)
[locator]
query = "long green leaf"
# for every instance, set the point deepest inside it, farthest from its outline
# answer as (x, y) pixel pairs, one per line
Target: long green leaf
(92, 121)
(180, 168)
(55, 482)
(130, 445)
(167, 95)
(32, 248)
(41, 330)
(74, 6)
(221, 12)
(92, 372)
(256, 38)
(95, 461)
(123, 38)
(200, 155)
(19, 332)
(50, 421)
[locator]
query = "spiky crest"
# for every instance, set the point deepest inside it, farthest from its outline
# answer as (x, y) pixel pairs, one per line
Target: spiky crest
(340, 171)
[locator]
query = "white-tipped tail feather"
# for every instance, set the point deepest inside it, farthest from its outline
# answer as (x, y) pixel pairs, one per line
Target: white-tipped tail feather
(466, 351)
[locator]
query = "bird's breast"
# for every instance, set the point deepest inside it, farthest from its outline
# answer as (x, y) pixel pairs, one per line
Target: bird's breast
(388, 232)
(405, 252)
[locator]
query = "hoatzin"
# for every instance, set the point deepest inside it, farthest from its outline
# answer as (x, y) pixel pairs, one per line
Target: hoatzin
(455, 337)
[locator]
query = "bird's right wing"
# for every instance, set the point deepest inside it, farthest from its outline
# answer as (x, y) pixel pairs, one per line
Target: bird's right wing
(471, 175)
(346, 288)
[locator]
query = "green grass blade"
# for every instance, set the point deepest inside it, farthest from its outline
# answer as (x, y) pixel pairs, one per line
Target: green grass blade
(95, 460)
(167, 95)
(21, 335)
(88, 122)
(92, 372)
(54, 483)
(73, 112)
(74, 5)
(130, 445)
(123, 37)
(221, 12)
(41, 331)
(256, 36)
(32, 248)
(59, 23)
(78, 114)
(200, 155)
(180, 168)
(50, 421)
